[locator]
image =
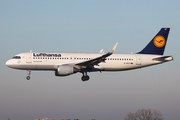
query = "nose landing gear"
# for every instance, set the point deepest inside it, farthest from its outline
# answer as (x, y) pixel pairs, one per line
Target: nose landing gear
(28, 77)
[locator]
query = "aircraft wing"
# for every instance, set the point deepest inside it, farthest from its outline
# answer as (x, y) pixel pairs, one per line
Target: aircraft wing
(97, 60)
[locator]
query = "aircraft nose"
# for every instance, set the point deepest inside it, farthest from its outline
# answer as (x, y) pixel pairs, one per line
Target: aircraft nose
(8, 63)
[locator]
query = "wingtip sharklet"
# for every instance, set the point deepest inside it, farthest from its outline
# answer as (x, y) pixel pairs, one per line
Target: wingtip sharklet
(113, 48)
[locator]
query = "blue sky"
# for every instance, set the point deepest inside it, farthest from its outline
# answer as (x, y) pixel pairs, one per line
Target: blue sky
(88, 26)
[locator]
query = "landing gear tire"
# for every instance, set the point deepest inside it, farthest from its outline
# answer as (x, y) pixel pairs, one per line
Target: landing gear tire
(28, 77)
(85, 78)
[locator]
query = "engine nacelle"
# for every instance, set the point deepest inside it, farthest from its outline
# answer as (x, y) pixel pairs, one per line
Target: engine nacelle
(65, 70)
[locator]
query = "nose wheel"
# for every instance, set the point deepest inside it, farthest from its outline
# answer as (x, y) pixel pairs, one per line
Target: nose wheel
(28, 77)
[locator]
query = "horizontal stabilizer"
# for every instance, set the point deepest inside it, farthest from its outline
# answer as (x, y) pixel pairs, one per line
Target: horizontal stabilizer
(163, 58)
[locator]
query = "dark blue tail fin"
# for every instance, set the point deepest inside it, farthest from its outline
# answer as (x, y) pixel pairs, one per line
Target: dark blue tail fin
(157, 44)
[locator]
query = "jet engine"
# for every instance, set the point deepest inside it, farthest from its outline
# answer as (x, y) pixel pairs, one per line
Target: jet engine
(65, 70)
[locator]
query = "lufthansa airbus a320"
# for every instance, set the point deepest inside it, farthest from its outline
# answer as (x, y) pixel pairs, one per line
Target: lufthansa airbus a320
(65, 64)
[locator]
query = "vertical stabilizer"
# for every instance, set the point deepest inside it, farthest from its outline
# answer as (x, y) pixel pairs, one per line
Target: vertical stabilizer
(157, 44)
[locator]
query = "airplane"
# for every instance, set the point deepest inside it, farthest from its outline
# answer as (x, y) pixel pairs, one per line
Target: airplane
(65, 64)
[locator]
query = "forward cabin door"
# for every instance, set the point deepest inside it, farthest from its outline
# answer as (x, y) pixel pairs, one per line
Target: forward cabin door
(138, 60)
(28, 57)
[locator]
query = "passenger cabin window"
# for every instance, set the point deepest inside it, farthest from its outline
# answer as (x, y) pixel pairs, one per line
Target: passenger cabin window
(16, 57)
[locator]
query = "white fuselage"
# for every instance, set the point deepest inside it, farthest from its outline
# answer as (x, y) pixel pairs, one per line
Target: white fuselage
(51, 61)
(65, 64)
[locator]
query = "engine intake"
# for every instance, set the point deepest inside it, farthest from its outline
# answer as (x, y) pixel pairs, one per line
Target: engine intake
(65, 70)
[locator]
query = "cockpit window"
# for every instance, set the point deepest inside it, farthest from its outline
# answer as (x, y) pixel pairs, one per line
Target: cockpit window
(16, 57)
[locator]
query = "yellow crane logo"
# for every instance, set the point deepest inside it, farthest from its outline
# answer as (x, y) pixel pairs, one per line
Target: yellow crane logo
(159, 41)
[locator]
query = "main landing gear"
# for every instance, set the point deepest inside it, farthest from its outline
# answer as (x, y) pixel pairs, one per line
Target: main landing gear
(85, 77)
(28, 77)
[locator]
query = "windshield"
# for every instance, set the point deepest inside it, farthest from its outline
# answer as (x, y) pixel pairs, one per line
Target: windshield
(16, 57)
